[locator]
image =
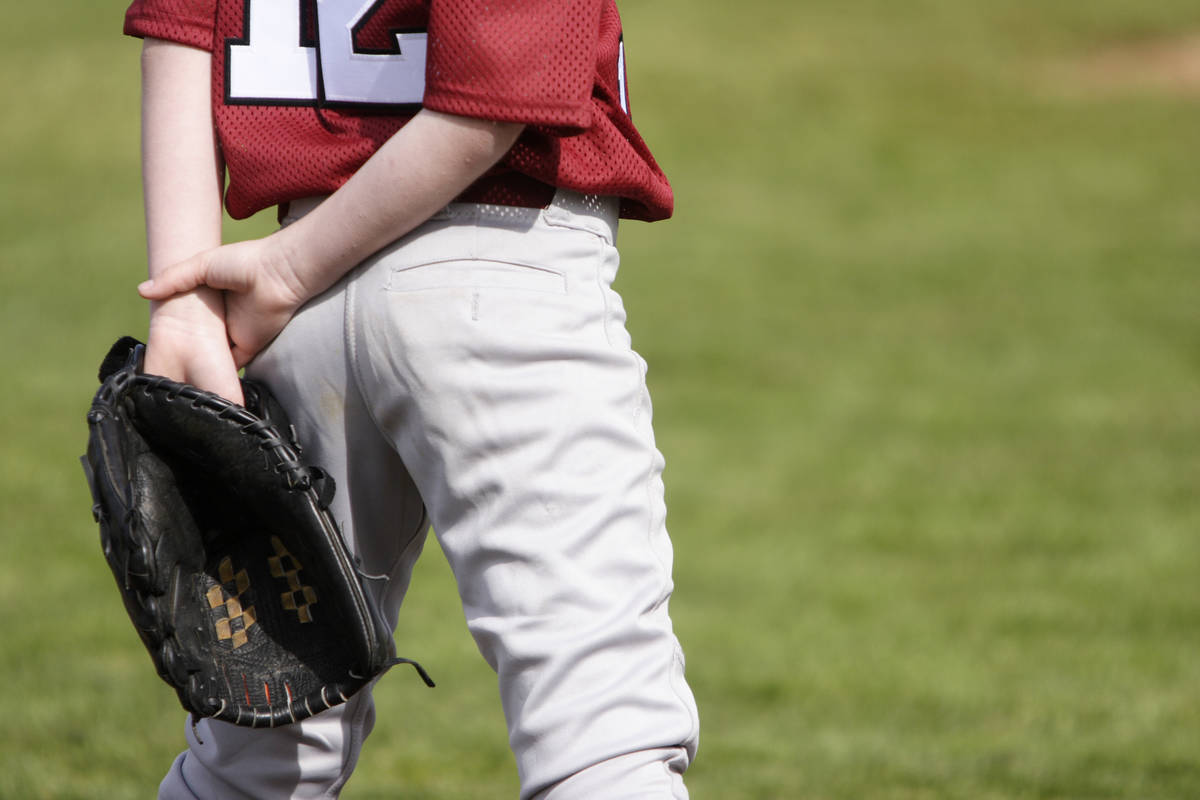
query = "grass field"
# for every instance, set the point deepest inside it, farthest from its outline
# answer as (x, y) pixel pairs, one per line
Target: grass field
(925, 349)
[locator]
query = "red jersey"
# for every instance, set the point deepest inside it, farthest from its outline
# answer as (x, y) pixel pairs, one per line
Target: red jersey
(304, 92)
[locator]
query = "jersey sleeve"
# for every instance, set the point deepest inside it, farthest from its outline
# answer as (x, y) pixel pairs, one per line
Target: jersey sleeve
(189, 22)
(527, 61)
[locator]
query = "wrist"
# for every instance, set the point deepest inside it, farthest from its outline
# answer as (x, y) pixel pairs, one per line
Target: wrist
(308, 259)
(199, 311)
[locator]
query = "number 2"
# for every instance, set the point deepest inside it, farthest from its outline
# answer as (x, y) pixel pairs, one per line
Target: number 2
(273, 66)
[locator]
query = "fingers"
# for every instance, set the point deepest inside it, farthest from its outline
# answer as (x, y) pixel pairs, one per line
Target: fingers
(248, 336)
(243, 356)
(176, 279)
(232, 267)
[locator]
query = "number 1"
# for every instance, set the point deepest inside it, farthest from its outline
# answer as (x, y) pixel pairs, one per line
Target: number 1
(272, 66)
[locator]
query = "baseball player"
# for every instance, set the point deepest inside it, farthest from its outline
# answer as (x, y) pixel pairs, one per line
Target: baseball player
(436, 314)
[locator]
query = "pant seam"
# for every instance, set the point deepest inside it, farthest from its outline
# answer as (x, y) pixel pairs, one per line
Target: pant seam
(354, 743)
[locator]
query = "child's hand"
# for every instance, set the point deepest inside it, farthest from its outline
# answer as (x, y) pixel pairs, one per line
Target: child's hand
(260, 288)
(188, 343)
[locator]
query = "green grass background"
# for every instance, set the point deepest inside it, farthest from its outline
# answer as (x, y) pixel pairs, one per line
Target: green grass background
(925, 353)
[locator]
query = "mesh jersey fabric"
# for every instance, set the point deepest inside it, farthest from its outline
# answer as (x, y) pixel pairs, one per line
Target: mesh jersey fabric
(554, 65)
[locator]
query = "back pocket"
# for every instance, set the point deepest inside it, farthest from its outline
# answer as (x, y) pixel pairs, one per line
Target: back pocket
(476, 274)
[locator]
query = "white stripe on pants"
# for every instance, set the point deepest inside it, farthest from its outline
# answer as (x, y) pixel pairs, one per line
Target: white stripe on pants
(481, 364)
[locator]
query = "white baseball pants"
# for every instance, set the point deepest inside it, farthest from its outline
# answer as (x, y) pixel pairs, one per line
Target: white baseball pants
(480, 368)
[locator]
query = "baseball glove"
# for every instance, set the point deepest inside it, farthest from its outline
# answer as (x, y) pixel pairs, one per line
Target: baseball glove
(228, 560)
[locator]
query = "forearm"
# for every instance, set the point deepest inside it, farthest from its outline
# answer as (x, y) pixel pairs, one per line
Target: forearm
(181, 176)
(181, 168)
(424, 166)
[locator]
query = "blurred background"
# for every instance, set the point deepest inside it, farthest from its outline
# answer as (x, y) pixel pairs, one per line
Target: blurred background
(925, 351)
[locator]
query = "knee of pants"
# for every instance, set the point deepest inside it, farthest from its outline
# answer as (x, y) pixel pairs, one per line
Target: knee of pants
(310, 759)
(651, 774)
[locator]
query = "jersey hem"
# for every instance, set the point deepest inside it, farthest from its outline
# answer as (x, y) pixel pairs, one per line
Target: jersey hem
(564, 120)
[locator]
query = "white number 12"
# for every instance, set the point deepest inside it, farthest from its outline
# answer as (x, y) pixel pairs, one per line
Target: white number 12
(271, 65)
